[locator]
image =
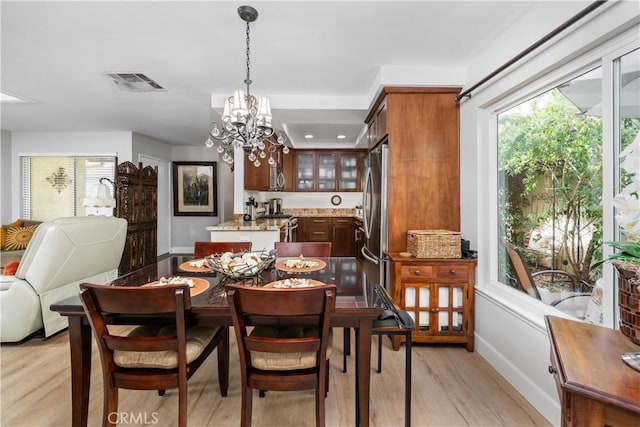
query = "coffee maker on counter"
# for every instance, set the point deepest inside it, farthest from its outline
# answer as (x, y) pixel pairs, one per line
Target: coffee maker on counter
(275, 206)
(251, 207)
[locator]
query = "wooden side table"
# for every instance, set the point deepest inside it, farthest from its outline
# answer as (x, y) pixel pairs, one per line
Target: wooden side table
(595, 386)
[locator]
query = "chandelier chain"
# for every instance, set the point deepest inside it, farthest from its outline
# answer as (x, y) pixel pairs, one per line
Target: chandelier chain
(248, 79)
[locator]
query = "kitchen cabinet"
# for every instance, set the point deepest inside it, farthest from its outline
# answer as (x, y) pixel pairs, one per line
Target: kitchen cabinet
(256, 178)
(377, 125)
(344, 239)
(315, 229)
(263, 177)
(337, 230)
(439, 295)
(328, 170)
(288, 163)
(420, 127)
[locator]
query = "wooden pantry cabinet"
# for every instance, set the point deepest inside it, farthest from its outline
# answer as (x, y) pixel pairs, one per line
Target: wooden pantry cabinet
(439, 295)
(420, 126)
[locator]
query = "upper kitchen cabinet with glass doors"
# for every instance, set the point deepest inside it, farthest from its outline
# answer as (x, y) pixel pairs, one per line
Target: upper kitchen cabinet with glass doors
(329, 170)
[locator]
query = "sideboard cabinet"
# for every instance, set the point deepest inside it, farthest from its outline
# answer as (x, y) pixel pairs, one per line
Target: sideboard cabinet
(596, 388)
(439, 295)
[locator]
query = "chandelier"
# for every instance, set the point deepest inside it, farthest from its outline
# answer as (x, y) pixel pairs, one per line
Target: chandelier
(246, 122)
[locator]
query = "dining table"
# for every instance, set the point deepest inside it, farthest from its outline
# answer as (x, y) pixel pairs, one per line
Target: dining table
(357, 306)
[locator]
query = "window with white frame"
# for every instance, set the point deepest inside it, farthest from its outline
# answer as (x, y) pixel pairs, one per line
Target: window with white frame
(550, 184)
(54, 186)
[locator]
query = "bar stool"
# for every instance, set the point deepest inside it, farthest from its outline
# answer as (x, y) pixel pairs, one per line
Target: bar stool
(390, 327)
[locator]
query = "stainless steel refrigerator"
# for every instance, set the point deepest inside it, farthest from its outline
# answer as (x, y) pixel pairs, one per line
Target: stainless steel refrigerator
(376, 215)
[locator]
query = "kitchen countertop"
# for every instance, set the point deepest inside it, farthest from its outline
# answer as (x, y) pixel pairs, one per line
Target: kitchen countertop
(327, 212)
(274, 224)
(257, 225)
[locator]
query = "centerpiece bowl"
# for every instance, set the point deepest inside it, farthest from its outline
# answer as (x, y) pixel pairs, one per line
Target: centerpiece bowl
(241, 265)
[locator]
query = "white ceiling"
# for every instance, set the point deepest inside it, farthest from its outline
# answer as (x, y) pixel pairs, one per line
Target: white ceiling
(320, 62)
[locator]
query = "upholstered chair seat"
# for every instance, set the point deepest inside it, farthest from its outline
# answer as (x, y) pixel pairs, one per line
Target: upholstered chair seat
(197, 339)
(286, 361)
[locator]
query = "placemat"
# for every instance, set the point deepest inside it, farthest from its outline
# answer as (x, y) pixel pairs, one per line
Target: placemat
(199, 285)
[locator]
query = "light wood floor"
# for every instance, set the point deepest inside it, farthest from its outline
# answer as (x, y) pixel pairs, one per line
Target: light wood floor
(451, 387)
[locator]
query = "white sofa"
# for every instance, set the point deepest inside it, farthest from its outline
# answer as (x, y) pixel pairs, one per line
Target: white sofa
(61, 254)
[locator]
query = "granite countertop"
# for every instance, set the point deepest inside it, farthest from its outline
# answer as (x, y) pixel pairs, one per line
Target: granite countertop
(327, 212)
(274, 224)
(257, 225)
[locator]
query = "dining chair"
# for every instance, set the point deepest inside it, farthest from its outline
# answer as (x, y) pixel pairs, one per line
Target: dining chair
(575, 302)
(318, 249)
(289, 346)
(159, 356)
(307, 249)
(203, 249)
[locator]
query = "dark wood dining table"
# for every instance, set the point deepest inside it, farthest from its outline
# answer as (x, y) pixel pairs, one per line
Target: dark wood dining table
(356, 307)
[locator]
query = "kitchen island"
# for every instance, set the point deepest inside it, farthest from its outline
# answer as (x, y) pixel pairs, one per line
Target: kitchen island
(263, 233)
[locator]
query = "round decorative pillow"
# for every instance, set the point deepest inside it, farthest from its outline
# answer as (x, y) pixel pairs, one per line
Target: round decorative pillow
(18, 237)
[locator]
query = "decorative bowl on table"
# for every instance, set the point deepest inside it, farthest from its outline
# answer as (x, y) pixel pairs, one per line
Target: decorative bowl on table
(241, 265)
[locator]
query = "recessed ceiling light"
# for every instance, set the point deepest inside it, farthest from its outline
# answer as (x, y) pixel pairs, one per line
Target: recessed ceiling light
(308, 136)
(341, 136)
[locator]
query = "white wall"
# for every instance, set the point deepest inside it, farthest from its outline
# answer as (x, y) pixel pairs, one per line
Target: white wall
(151, 152)
(510, 331)
(5, 177)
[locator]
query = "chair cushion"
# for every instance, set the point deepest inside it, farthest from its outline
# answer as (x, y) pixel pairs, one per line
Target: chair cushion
(197, 339)
(286, 361)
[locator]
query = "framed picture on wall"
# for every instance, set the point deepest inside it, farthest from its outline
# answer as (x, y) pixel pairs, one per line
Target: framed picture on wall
(194, 189)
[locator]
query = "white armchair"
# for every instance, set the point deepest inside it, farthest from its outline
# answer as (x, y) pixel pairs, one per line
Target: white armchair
(61, 254)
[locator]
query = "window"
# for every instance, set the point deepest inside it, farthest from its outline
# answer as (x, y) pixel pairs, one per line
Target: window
(626, 116)
(550, 183)
(54, 187)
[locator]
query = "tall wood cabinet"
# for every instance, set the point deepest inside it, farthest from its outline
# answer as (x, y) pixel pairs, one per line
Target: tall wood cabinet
(137, 202)
(439, 295)
(421, 127)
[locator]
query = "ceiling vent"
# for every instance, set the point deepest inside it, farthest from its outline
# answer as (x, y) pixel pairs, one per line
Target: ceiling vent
(135, 82)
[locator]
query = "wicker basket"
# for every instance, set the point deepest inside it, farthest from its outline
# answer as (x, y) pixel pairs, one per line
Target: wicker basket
(434, 243)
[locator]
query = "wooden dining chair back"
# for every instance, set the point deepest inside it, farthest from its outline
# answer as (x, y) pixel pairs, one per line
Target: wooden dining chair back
(288, 349)
(158, 356)
(203, 249)
(307, 249)
(523, 274)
